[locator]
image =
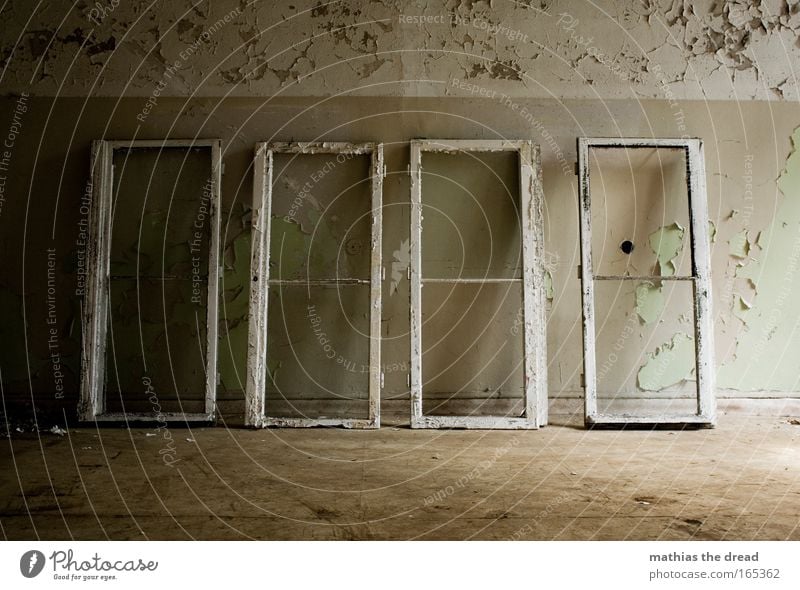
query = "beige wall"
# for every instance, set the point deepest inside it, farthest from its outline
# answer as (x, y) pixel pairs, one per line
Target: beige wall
(756, 351)
(669, 49)
(357, 71)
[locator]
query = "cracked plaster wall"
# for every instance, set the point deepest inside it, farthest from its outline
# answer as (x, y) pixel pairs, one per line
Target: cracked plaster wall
(547, 89)
(41, 211)
(668, 49)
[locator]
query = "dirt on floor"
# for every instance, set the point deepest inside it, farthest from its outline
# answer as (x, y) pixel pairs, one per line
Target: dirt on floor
(739, 481)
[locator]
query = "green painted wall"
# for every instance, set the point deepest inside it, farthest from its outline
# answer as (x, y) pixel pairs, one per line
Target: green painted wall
(751, 189)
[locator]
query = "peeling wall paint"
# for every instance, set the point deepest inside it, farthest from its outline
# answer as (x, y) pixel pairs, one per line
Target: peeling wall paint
(466, 76)
(471, 226)
(741, 308)
(320, 217)
(549, 293)
(666, 49)
(234, 311)
(739, 245)
(768, 335)
(737, 342)
(157, 302)
(670, 364)
(632, 320)
(639, 197)
(649, 302)
(318, 328)
(667, 245)
(488, 68)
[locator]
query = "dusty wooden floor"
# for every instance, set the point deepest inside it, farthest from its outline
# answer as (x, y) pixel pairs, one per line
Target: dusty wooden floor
(738, 481)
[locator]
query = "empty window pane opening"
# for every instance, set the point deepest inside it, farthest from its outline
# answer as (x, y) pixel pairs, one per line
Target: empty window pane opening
(477, 297)
(151, 309)
(645, 282)
(314, 341)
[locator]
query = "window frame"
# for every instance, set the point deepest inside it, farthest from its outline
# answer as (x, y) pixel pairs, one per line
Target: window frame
(92, 399)
(255, 395)
(700, 278)
(533, 305)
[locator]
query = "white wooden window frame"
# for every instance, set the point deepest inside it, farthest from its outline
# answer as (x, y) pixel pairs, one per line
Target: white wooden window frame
(255, 397)
(700, 279)
(533, 308)
(92, 404)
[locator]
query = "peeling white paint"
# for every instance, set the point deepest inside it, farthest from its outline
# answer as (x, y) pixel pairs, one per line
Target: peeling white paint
(668, 49)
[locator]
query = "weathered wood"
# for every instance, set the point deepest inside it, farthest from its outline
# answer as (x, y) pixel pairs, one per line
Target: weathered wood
(212, 313)
(321, 147)
(352, 423)
(259, 276)
(474, 422)
(91, 405)
(154, 417)
(94, 305)
(316, 282)
(535, 359)
(415, 284)
(256, 404)
(454, 146)
(472, 281)
(701, 268)
(643, 278)
(701, 264)
(377, 171)
(633, 142)
(587, 284)
(626, 418)
(530, 295)
(535, 276)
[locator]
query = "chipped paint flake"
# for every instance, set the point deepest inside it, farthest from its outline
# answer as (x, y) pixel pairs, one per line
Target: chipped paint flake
(649, 301)
(667, 244)
(739, 245)
(548, 285)
(770, 319)
(698, 51)
(741, 307)
(671, 364)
